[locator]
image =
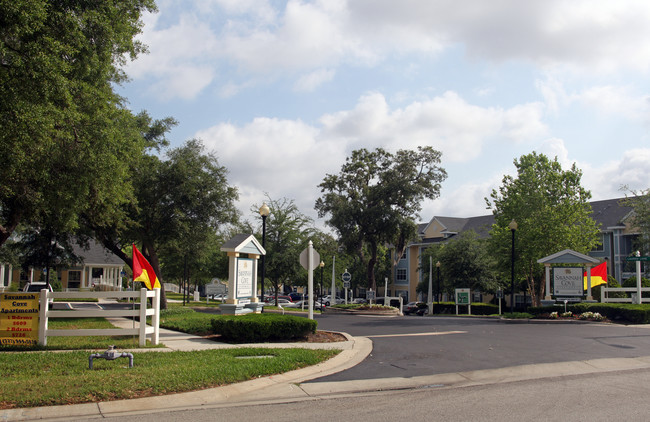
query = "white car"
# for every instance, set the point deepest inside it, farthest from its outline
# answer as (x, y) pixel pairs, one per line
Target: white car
(300, 304)
(327, 299)
(37, 287)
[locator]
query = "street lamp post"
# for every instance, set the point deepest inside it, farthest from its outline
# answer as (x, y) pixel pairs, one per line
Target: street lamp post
(438, 289)
(321, 265)
(264, 212)
(513, 228)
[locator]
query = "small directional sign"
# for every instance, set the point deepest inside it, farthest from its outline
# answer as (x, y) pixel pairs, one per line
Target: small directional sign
(346, 276)
(638, 258)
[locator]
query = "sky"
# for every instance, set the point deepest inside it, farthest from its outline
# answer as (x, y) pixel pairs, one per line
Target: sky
(283, 91)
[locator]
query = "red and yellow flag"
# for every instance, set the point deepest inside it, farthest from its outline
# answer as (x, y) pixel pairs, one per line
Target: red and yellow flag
(143, 271)
(598, 275)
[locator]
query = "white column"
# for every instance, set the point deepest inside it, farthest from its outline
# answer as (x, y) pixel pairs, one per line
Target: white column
(2, 274)
(232, 273)
(11, 275)
(589, 296)
(547, 268)
(254, 298)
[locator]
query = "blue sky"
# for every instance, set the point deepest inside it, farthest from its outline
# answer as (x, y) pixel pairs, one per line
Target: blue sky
(283, 91)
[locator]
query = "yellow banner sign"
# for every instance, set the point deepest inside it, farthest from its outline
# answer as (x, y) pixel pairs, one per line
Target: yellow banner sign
(19, 318)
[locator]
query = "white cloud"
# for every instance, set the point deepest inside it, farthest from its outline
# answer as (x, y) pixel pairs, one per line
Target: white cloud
(446, 122)
(313, 80)
(299, 38)
(605, 179)
(178, 64)
(289, 158)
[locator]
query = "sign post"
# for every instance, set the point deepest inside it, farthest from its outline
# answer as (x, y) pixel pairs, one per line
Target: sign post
(638, 259)
(309, 259)
(346, 277)
(462, 298)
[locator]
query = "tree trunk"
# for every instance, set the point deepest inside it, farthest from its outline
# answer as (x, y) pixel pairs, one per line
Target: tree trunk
(372, 283)
(152, 256)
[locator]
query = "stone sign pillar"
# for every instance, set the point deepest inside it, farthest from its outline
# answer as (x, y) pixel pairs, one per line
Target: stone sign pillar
(242, 275)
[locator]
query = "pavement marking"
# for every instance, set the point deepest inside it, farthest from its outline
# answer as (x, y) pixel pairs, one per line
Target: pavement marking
(440, 333)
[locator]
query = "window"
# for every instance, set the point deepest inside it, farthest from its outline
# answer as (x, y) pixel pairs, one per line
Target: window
(401, 275)
(74, 279)
(602, 239)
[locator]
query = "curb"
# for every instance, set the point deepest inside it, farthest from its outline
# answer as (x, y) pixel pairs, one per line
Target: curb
(280, 385)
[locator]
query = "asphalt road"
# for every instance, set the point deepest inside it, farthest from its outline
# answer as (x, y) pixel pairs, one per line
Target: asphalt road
(618, 396)
(413, 346)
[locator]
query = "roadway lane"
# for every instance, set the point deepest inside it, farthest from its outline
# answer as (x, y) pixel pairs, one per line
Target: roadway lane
(414, 346)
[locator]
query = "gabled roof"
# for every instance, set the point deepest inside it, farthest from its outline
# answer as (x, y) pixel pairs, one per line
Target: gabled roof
(96, 254)
(610, 212)
(244, 243)
(568, 256)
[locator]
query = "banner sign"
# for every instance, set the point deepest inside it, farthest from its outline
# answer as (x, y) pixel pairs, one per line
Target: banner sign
(244, 280)
(568, 281)
(19, 318)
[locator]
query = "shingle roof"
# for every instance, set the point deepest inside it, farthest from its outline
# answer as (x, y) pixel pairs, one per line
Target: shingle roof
(609, 213)
(96, 254)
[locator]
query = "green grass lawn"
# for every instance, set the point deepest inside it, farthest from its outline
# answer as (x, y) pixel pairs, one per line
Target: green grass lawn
(43, 378)
(47, 378)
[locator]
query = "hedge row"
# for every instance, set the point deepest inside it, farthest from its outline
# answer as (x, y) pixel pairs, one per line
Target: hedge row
(635, 314)
(477, 308)
(257, 328)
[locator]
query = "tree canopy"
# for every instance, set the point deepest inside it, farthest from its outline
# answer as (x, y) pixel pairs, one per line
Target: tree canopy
(376, 196)
(66, 140)
(640, 203)
(287, 234)
(465, 262)
(552, 211)
(182, 202)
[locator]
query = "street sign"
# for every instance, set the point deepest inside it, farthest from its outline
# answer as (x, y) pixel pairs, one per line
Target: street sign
(304, 259)
(346, 277)
(499, 294)
(346, 284)
(638, 258)
(370, 295)
(462, 296)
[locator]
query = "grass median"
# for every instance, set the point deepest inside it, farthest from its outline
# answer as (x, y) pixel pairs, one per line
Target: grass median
(47, 378)
(43, 378)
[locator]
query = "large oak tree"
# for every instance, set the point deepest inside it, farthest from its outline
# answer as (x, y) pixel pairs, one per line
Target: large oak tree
(376, 196)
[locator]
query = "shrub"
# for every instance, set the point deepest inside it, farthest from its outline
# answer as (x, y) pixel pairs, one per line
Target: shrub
(623, 312)
(255, 328)
(477, 308)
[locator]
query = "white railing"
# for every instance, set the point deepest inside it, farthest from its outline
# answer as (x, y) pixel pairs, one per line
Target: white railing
(142, 331)
(628, 297)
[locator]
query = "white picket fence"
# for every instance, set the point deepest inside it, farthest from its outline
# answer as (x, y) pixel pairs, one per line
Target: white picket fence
(629, 292)
(143, 312)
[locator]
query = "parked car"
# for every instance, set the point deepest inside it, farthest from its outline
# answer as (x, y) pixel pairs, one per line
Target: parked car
(328, 299)
(301, 303)
(295, 296)
(410, 308)
(359, 300)
(271, 299)
(281, 301)
(36, 288)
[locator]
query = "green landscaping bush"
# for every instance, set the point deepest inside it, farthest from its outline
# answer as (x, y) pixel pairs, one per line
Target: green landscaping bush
(255, 328)
(621, 312)
(477, 308)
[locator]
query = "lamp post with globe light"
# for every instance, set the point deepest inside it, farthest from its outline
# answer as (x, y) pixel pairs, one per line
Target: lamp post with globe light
(264, 212)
